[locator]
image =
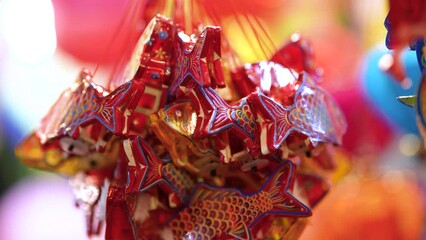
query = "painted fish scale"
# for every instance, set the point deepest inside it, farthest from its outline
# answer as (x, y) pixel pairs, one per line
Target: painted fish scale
(198, 223)
(312, 115)
(82, 101)
(219, 212)
(319, 112)
(316, 114)
(243, 117)
(85, 105)
(212, 218)
(310, 109)
(178, 178)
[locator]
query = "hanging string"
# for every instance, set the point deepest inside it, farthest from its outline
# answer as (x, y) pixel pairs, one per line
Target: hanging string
(266, 49)
(187, 10)
(231, 57)
(255, 27)
(168, 8)
(128, 8)
(265, 34)
(133, 18)
(244, 31)
(273, 48)
(251, 27)
(256, 35)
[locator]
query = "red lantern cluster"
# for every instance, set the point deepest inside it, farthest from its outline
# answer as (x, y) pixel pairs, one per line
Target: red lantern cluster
(171, 156)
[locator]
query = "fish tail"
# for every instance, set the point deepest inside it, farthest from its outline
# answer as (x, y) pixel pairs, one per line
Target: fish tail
(154, 165)
(107, 117)
(278, 186)
(177, 182)
(269, 111)
(143, 165)
(119, 105)
(213, 76)
(211, 124)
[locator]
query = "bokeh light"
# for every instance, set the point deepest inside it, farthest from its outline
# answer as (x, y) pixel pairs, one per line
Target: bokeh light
(28, 29)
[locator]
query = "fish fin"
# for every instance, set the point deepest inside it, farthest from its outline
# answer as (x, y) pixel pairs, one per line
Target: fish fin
(241, 231)
(107, 115)
(278, 186)
(409, 101)
(205, 192)
(277, 126)
(153, 164)
(212, 112)
(143, 165)
(119, 105)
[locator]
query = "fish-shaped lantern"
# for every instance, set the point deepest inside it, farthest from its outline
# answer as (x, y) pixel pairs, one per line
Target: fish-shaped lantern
(222, 212)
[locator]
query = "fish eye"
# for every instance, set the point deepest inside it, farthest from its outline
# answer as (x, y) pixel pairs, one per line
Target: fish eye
(93, 163)
(73, 146)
